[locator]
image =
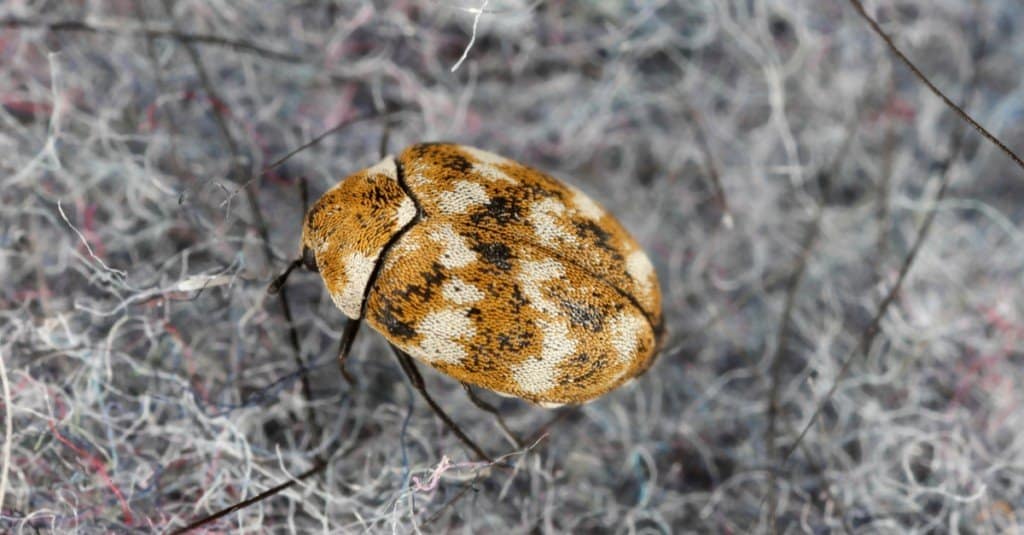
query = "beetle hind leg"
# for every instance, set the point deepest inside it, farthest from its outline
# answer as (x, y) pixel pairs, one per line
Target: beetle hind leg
(409, 367)
(487, 407)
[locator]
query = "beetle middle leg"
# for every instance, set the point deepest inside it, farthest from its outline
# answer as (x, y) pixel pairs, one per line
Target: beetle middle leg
(409, 367)
(487, 407)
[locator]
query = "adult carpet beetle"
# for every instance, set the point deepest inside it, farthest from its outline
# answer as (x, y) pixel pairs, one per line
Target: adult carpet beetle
(487, 270)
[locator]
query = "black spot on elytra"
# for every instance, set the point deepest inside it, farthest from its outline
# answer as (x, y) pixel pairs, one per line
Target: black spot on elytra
(385, 315)
(538, 191)
(495, 254)
(515, 341)
(431, 281)
(472, 364)
(502, 210)
(456, 163)
(585, 316)
(518, 301)
(591, 231)
(480, 359)
(586, 365)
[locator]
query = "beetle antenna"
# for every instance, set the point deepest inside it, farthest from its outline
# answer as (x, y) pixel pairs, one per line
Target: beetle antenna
(304, 193)
(383, 147)
(386, 133)
(279, 281)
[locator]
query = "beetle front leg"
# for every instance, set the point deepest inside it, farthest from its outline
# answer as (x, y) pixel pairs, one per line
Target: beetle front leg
(347, 337)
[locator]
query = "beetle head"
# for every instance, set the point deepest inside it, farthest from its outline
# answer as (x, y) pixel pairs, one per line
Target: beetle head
(309, 259)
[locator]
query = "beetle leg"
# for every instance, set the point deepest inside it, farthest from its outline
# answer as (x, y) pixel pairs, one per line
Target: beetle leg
(483, 405)
(347, 337)
(409, 367)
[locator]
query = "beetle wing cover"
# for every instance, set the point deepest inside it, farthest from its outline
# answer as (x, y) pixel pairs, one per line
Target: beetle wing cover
(514, 281)
(472, 188)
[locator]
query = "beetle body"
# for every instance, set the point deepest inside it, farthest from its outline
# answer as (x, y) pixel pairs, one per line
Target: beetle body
(489, 271)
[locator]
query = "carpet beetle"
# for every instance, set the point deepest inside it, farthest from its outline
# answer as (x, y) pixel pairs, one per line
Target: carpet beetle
(489, 271)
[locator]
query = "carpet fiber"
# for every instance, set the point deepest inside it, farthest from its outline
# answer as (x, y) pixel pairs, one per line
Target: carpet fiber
(841, 260)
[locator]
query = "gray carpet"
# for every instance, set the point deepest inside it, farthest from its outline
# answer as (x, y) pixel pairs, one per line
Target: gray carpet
(774, 158)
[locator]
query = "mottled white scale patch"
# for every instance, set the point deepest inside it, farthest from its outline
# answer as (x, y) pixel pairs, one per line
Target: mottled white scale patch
(385, 167)
(464, 196)
(461, 292)
(456, 252)
(407, 245)
(585, 205)
(414, 174)
(492, 173)
(550, 405)
(406, 211)
(543, 216)
(487, 163)
(418, 181)
(532, 274)
(540, 374)
(639, 267)
(442, 333)
(626, 330)
(358, 268)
